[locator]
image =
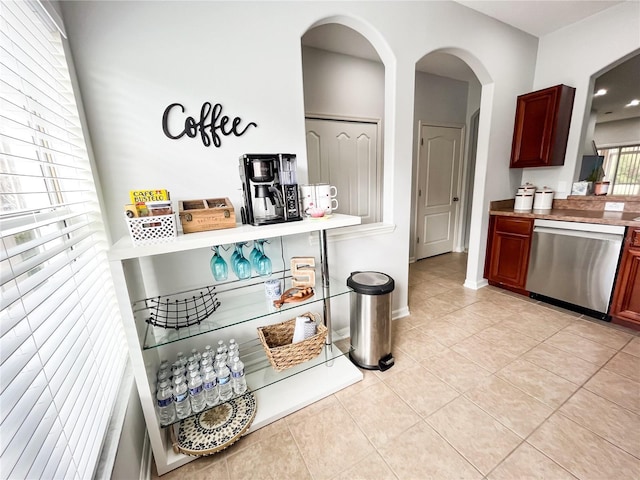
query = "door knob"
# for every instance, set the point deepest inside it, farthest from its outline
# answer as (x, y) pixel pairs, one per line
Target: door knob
(455, 199)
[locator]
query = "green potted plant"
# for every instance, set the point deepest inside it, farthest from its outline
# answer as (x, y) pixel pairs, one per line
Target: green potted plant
(596, 177)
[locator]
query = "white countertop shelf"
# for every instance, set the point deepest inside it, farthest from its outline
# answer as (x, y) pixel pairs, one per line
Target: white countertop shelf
(125, 249)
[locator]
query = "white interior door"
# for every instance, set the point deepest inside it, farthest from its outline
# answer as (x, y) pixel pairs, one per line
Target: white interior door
(438, 170)
(345, 154)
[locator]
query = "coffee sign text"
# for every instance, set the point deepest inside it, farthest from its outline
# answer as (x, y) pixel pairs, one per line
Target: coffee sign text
(211, 125)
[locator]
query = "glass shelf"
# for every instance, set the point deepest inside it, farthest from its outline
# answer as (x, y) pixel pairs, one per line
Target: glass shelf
(259, 372)
(237, 305)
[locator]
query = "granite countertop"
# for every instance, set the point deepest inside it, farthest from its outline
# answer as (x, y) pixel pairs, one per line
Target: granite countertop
(568, 211)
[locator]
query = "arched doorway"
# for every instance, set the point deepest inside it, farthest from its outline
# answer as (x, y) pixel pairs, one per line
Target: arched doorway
(447, 96)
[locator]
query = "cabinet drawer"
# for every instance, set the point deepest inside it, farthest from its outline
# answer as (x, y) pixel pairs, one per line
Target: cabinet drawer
(634, 238)
(515, 225)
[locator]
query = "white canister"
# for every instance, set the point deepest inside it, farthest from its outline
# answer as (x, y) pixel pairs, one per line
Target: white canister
(523, 202)
(543, 199)
(526, 188)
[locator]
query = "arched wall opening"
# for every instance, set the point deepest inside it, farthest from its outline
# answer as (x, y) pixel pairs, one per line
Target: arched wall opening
(453, 101)
(348, 78)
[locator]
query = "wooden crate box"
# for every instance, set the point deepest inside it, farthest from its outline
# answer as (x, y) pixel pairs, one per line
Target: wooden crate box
(207, 214)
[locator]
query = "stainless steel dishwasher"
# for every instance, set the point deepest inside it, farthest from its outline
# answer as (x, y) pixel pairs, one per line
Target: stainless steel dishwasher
(574, 263)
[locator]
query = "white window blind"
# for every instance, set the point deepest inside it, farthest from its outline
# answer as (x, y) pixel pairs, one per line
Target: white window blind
(62, 349)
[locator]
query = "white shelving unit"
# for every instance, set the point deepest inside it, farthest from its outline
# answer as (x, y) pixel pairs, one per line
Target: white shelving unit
(277, 394)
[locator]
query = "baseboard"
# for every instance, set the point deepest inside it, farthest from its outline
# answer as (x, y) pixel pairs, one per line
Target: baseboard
(475, 285)
(400, 313)
(147, 458)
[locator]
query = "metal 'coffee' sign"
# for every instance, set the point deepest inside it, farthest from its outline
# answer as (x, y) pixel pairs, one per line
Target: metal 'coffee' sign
(211, 125)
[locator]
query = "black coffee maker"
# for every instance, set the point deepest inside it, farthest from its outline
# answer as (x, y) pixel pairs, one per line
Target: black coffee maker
(269, 188)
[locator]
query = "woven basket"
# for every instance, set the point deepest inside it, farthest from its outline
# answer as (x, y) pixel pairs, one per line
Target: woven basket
(282, 354)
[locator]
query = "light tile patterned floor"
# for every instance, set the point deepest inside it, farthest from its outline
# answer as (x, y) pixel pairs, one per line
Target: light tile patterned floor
(487, 384)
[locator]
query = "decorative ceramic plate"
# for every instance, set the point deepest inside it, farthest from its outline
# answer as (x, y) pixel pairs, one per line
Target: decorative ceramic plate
(218, 428)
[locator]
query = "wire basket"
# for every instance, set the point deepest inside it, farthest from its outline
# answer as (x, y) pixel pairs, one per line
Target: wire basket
(168, 311)
(150, 230)
(282, 354)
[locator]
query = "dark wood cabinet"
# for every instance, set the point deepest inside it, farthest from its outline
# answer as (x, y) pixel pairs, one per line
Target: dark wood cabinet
(542, 127)
(625, 307)
(508, 247)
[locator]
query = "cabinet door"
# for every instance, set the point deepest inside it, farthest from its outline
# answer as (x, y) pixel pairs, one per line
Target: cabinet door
(542, 127)
(625, 308)
(508, 252)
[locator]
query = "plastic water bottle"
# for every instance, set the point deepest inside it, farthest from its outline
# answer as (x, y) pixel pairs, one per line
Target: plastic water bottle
(192, 366)
(163, 375)
(233, 352)
(221, 361)
(181, 398)
(224, 383)
(166, 408)
(196, 392)
(174, 380)
(205, 362)
(196, 355)
(238, 380)
(181, 358)
(177, 369)
(221, 352)
(222, 348)
(210, 385)
(164, 368)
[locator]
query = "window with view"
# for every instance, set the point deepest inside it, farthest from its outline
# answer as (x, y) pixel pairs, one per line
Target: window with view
(622, 168)
(62, 350)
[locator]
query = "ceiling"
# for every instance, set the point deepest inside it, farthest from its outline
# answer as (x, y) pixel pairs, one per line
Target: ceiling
(538, 18)
(623, 85)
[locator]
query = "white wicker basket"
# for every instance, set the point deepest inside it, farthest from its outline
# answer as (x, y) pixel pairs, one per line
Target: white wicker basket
(150, 230)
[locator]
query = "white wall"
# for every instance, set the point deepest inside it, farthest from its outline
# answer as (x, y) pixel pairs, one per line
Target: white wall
(336, 84)
(573, 56)
(469, 165)
(439, 100)
(621, 132)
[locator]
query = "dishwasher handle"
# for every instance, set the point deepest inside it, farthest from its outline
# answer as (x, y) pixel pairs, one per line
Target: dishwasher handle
(611, 237)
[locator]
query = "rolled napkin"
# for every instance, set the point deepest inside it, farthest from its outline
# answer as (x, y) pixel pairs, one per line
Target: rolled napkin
(305, 328)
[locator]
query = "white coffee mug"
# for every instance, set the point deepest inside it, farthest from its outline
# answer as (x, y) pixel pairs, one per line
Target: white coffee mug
(327, 204)
(325, 190)
(326, 197)
(308, 197)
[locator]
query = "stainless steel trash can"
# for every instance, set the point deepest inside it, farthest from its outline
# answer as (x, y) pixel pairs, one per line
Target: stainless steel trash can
(370, 320)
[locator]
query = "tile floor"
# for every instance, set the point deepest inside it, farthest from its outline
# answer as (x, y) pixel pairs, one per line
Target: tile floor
(487, 384)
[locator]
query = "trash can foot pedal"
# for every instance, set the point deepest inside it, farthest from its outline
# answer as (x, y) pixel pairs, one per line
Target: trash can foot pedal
(386, 362)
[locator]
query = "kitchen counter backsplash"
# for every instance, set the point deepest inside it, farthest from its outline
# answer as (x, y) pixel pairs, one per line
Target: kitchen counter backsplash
(590, 209)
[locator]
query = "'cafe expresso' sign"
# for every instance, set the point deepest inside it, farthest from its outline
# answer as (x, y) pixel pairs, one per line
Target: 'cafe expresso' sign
(211, 124)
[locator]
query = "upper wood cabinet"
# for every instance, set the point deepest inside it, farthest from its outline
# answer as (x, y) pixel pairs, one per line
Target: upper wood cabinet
(542, 127)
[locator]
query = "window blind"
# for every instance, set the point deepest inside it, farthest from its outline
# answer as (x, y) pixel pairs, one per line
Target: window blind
(62, 349)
